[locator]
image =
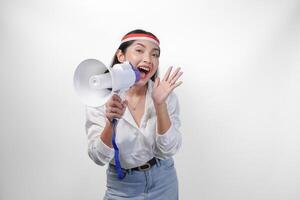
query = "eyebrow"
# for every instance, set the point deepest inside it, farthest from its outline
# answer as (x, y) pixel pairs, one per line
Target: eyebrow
(155, 48)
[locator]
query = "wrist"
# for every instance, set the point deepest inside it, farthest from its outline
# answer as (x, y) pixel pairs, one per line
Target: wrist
(160, 106)
(108, 122)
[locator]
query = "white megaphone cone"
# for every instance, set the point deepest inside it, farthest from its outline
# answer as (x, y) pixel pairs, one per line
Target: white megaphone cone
(94, 82)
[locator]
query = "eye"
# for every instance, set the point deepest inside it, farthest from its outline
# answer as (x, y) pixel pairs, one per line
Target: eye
(139, 50)
(155, 55)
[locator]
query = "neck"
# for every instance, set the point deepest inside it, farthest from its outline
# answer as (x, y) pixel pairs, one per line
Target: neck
(137, 90)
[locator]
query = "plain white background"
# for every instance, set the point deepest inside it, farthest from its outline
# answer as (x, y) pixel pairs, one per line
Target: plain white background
(239, 101)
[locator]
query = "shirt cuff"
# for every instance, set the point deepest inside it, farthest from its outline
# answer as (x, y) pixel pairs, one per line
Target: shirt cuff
(167, 137)
(104, 149)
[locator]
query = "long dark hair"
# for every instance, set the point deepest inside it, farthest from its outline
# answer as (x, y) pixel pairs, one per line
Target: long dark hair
(123, 47)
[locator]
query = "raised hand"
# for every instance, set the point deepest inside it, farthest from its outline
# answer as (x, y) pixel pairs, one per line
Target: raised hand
(162, 88)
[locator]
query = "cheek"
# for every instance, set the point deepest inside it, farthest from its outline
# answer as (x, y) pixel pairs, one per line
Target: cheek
(155, 65)
(154, 70)
(132, 59)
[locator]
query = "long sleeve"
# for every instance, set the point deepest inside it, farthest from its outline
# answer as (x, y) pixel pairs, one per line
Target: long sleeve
(169, 143)
(99, 152)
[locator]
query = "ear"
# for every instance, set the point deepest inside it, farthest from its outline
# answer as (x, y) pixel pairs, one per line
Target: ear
(120, 55)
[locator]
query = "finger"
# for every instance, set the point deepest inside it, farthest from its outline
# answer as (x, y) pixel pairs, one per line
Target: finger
(113, 110)
(108, 110)
(176, 85)
(167, 74)
(173, 81)
(114, 104)
(115, 100)
(174, 74)
(125, 103)
(113, 116)
(116, 97)
(117, 104)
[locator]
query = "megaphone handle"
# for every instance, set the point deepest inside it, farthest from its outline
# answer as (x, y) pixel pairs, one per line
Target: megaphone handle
(118, 167)
(120, 93)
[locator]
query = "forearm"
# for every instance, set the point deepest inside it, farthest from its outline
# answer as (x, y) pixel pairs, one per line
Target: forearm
(106, 135)
(163, 118)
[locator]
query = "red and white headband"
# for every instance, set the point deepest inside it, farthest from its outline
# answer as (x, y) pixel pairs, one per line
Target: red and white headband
(140, 36)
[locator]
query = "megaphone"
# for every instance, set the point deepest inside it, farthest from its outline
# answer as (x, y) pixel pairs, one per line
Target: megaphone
(95, 83)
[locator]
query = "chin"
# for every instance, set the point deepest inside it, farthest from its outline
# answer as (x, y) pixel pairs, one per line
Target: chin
(142, 82)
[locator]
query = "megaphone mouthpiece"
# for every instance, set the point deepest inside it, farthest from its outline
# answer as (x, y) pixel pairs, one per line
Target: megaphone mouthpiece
(124, 76)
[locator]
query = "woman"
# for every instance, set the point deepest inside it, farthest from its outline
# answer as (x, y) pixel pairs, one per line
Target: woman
(147, 133)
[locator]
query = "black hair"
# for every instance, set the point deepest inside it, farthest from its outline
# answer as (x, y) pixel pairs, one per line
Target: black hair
(123, 47)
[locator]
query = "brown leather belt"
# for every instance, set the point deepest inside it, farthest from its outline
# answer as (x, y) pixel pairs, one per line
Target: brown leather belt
(144, 167)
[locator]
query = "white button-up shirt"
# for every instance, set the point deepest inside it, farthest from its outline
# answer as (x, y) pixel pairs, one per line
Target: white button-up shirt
(136, 144)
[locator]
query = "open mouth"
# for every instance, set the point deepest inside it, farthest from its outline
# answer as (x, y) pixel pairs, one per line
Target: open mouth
(144, 70)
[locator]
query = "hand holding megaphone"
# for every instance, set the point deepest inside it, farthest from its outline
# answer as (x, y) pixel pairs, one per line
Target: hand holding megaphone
(115, 107)
(95, 83)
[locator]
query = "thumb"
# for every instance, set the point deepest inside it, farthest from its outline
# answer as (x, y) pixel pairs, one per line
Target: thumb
(156, 83)
(125, 103)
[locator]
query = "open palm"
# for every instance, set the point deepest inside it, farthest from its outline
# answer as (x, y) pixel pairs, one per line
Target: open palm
(162, 88)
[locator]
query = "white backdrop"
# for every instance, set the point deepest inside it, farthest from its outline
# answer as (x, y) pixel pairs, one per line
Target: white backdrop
(239, 102)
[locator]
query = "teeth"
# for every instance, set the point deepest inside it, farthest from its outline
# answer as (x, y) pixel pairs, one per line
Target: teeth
(144, 68)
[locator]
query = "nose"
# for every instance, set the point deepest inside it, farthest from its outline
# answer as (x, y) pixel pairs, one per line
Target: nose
(147, 58)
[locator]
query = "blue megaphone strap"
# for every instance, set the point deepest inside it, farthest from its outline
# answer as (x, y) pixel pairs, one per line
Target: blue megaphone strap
(118, 167)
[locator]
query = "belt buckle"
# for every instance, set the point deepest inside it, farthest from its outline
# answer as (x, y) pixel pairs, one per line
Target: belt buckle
(144, 167)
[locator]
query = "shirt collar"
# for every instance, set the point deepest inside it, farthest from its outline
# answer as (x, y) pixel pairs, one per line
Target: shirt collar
(149, 108)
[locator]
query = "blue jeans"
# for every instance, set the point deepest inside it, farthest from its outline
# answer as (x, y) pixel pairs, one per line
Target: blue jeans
(158, 183)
